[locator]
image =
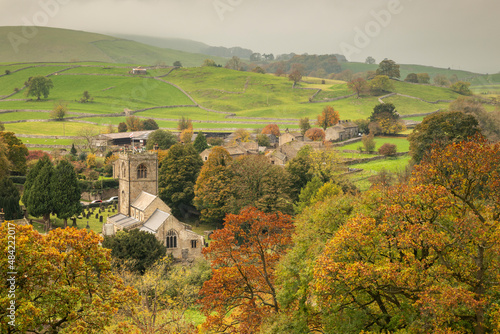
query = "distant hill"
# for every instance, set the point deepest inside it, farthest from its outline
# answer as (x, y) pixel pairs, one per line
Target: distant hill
(63, 45)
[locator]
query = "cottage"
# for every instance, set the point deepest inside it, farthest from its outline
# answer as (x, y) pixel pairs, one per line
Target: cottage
(341, 131)
(288, 137)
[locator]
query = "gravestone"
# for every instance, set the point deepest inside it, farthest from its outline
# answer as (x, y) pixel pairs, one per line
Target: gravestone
(100, 219)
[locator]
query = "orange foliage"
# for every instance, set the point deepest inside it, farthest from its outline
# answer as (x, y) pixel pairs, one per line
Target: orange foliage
(315, 134)
(328, 117)
(271, 129)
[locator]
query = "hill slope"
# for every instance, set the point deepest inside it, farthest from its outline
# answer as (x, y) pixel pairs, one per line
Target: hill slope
(63, 45)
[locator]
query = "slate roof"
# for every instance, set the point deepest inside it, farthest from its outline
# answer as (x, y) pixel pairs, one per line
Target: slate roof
(155, 221)
(121, 220)
(143, 201)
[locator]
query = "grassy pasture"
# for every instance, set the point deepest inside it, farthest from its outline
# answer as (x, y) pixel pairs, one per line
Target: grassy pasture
(49, 128)
(402, 144)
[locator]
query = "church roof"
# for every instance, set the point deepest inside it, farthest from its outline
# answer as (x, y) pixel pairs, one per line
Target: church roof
(122, 220)
(143, 201)
(155, 221)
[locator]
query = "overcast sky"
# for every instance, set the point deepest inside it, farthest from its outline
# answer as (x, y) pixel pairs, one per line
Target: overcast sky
(461, 34)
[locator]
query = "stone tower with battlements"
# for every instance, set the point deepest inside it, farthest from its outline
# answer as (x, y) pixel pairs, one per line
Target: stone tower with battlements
(136, 172)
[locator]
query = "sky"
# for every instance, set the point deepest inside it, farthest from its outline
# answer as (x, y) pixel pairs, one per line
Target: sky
(460, 34)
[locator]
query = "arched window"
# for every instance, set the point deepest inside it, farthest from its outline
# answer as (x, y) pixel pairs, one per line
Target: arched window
(172, 239)
(142, 171)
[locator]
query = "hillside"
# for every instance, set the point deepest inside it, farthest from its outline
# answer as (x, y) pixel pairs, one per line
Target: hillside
(62, 45)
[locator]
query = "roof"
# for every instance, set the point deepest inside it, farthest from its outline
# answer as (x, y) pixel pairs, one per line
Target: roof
(122, 220)
(348, 124)
(134, 135)
(155, 221)
(143, 201)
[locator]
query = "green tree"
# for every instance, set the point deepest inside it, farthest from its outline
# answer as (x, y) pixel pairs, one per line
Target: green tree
(4, 161)
(177, 63)
(138, 250)
(300, 171)
(209, 63)
(164, 138)
(134, 123)
(368, 142)
(412, 77)
(358, 86)
(39, 86)
(234, 63)
(9, 199)
(2, 126)
(423, 78)
(489, 121)
(441, 128)
(200, 143)
(307, 194)
(59, 111)
(213, 187)
(304, 125)
(295, 76)
(380, 84)
(369, 60)
(73, 150)
(40, 201)
(178, 174)
(150, 124)
(387, 117)
(184, 123)
(263, 140)
(86, 97)
(16, 152)
(461, 87)
(65, 191)
(122, 127)
(389, 68)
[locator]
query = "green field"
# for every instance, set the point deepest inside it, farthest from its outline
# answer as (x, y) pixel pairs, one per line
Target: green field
(402, 144)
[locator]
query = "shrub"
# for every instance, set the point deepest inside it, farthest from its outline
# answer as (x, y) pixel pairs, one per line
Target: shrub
(387, 149)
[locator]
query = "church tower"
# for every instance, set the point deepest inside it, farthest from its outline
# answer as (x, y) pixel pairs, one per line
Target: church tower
(136, 172)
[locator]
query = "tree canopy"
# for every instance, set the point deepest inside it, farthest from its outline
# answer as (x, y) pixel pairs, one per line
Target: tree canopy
(164, 138)
(389, 68)
(328, 117)
(16, 152)
(39, 86)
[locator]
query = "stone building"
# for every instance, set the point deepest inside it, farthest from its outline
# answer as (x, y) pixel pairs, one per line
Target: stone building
(140, 207)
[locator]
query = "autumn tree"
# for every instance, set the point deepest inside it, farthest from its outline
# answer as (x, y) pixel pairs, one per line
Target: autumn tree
(39, 86)
(412, 77)
(369, 60)
(149, 124)
(178, 173)
(122, 127)
(295, 76)
(359, 86)
(234, 63)
(315, 134)
(241, 135)
(241, 292)
(461, 87)
(64, 282)
(423, 78)
(328, 117)
(16, 152)
(186, 136)
(134, 123)
(425, 257)
(65, 191)
(271, 129)
(85, 138)
(387, 149)
(368, 142)
(213, 187)
(441, 80)
(442, 128)
(163, 138)
(389, 68)
(488, 121)
(304, 125)
(184, 123)
(59, 111)
(387, 117)
(380, 84)
(209, 63)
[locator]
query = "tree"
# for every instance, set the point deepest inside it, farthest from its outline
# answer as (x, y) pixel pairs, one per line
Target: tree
(358, 86)
(488, 121)
(138, 250)
(295, 76)
(16, 152)
(369, 60)
(380, 84)
(39, 199)
(387, 149)
(362, 125)
(2, 126)
(234, 63)
(163, 138)
(389, 68)
(304, 125)
(263, 140)
(122, 127)
(177, 63)
(271, 129)
(258, 69)
(86, 97)
(178, 173)
(315, 134)
(5, 164)
(186, 136)
(241, 135)
(443, 128)
(412, 77)
(244, 255)
(441, 80)
(328, 117)
(38, 86)
(258, 183)
(73, 150)
(149, 124)
(134, 123)
(65, 191)
(60, 110)
(213, 187)
(423, 78)
(209, 63)
(461, 87)
(65, 282)
(86, 136)
(387, 118)
(200, 143)
(9, 199)
(438, 229)
(368, 142)
(184, 123)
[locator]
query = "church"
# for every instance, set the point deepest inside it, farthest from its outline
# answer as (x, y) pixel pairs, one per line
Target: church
(140, 207)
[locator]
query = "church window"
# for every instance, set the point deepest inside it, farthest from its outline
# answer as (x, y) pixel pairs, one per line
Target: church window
(142, 172)
(171, 239)
(193, 243)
